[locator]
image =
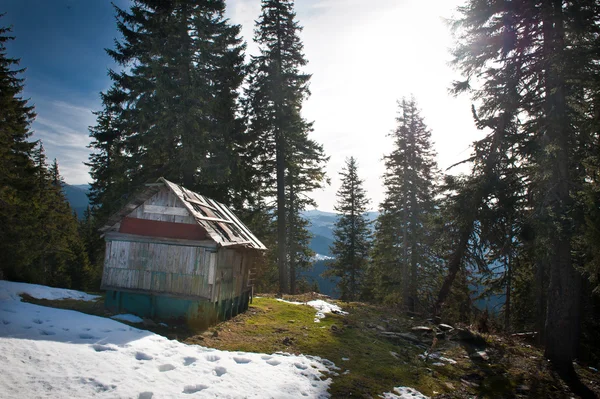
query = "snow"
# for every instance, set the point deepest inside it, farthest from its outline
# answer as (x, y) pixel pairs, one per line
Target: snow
(319, 257)
(11, 290)
(52, 353)
(436, 356)
(404, 393)
(290, 302)
(322, 307)
(128, 318)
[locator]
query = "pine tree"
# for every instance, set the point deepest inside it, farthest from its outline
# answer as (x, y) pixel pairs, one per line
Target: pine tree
(401, 251)
(173, 110)
(17, 172)
(539, 98)
(278, 132)
(352, 234)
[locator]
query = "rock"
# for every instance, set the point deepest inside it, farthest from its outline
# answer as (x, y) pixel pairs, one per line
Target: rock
(480, 355)
(595, 370)
(469, 383)
(380, 328)
(334, 328)
(445, 327)
(395, 355)
(471, 337)
(421, 329)
(448, 360)
(405, 336)
(291, 321)
(287, 341)
(215, 334)
(523, 389)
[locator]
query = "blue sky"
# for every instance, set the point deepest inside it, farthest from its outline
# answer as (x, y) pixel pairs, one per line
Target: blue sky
(363, 56)
(61, 43)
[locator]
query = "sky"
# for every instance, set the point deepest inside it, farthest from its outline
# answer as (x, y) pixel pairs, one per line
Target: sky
(363, 57)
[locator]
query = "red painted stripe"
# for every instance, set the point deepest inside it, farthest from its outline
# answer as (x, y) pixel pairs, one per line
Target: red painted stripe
(153, 228)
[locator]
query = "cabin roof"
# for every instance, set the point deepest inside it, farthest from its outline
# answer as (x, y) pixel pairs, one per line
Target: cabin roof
(220, 223)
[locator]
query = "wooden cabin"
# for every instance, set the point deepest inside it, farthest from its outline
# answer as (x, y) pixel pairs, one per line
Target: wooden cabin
(175, 254)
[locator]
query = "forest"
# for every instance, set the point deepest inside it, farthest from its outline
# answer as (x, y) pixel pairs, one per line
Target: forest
(188, 104)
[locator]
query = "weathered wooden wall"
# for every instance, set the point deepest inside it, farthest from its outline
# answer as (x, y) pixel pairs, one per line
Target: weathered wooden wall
(232, 274)
(164, 198)
(160, 268)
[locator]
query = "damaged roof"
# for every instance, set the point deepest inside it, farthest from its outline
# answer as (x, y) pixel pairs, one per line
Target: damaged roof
(220, 223)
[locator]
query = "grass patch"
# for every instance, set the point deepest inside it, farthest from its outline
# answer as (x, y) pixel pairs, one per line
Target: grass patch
(367, 366)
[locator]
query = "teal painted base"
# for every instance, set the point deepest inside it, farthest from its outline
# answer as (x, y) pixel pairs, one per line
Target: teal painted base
(199, 313)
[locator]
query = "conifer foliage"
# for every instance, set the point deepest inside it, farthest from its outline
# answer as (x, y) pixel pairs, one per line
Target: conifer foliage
(17, 172)
(38, 231)
(172, 111)
(402, 243)
(352, 234)
(533, 66)
(288, 164)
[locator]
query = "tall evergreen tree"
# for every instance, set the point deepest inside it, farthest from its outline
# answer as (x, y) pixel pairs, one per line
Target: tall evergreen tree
(539, 96)
(351, 233)
(172, 111)
(17, 172)
(402, 248)
(284, 156)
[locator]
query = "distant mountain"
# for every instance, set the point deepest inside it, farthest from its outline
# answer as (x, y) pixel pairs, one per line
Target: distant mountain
(77, 197)
(326, 286)
(321, 226)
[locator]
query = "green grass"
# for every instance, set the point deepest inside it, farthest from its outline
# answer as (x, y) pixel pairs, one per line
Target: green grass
(270, 326)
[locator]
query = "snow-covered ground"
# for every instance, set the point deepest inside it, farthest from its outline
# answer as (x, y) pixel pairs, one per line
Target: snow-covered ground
(322, 307)
(10, 290)
(404, 393)
(55, 353)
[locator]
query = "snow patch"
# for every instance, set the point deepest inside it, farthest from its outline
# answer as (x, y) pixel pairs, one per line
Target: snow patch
(404, 393)
(11, 290)
(48, 352)
(322, 307)
(130, 318)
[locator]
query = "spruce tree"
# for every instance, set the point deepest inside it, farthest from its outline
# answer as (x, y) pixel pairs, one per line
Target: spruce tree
(278, 134)
(173, 110)
(536, 85)
(17, 172)
(352, 234)
(402, 249)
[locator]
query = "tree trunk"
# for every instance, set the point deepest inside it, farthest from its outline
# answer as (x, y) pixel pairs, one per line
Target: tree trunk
(540, 294)
(292, 240)
(280, 160)
(562, 318)
(281, 233)
(474, 201)
(508, 289)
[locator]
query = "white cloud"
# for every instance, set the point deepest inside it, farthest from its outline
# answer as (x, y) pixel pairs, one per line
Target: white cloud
(63, 129)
